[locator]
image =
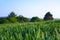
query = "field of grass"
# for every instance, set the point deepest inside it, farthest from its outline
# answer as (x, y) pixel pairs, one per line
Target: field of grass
(30, 31)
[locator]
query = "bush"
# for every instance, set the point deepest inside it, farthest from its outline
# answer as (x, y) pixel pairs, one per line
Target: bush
(4, 21)
(35, 19)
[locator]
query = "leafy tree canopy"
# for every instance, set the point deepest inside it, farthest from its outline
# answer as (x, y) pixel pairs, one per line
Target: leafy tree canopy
(35, 19)
(21, 18)
(12, 17)
(48, 16)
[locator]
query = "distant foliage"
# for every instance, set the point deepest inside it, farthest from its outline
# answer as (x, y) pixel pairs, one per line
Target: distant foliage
(4, 20)
(12, 17)
(20, 19)
(48, 16)
(35, 19)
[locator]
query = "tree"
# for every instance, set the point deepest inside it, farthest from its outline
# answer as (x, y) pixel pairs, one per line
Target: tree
(3, 20)
(35, 19)
(20, 19)
(12, 17)
(48, 16)
(26, 19)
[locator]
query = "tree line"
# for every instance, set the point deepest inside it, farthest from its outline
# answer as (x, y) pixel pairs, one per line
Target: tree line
(13, 18)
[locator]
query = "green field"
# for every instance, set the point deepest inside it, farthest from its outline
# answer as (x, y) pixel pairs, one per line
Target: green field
(30, 31)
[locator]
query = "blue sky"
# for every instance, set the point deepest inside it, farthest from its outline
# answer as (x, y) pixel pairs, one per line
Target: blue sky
(30, 8)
